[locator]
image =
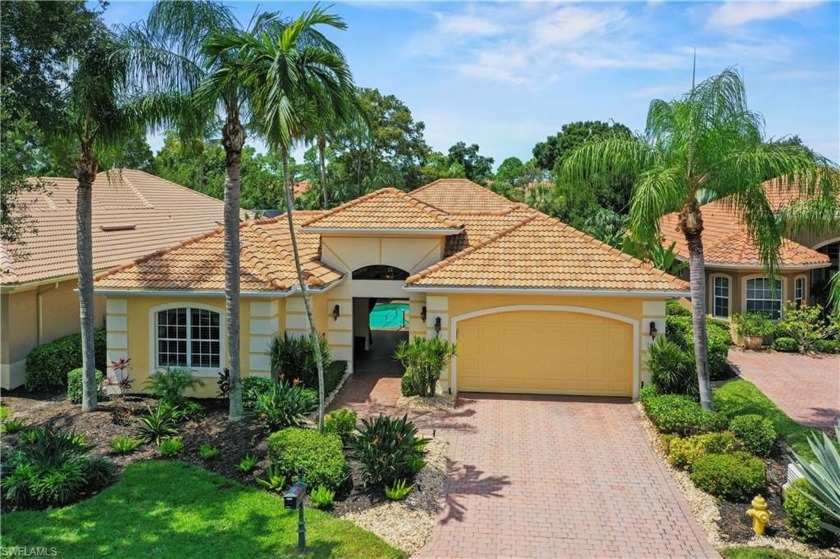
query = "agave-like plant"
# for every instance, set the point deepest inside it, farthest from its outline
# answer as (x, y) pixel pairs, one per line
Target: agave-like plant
(824, 477)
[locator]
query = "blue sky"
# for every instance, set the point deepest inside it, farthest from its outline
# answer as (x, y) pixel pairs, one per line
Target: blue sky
(506, 75)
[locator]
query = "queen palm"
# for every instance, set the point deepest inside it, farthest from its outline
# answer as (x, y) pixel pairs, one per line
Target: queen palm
(285, 72)
(705, 141)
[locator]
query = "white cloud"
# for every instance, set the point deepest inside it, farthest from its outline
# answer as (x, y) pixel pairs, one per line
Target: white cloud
(467, 25)
(569, 25)
(734, 14)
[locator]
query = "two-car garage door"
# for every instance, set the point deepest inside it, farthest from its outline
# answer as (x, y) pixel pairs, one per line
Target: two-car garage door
(545, 352)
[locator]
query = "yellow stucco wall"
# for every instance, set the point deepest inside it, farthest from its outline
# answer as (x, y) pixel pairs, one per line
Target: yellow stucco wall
(737, 284)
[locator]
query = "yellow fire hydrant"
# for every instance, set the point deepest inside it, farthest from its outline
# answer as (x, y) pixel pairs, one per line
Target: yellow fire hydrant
(760, 514)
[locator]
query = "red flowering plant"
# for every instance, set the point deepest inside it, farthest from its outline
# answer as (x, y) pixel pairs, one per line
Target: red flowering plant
(119, 376)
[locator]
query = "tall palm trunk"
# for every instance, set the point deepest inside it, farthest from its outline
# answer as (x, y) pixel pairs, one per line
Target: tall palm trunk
(322, 148)
(313, 331)
(233, 138)
(85, 170)
(691, 224)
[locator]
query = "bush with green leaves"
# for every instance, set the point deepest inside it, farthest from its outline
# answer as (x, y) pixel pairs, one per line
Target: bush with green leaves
(753, 324)
(333, 374)
(322, 497)
(317, 458)
(293, 358)
(680, 415)
(756, 433)
(51, 467)
(123, 444)
(47, 365)
(385, 447)
(283, 405)
(805, 519)
(247, 464)
(11, 426)
(737, 477)
(673, 308)
(806, 325)
(157, 423)
(424, 360)
(785, 345)
(171, 384)
(341, 422)
(679, 330)
(398, 491)
(682, 453)
(74, 384)
(170, 448)
(823, 474)
(208, 451)
(672, 370)
(827, 346)
(273, 479)
(252, 387)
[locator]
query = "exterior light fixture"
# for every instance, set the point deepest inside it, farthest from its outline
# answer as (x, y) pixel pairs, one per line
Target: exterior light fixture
(437, 325)
(336, 312)
(293, 499)
(423, 313)
(652, 330)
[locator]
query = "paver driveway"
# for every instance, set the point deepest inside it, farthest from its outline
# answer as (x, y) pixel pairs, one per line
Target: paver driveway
(534, 476)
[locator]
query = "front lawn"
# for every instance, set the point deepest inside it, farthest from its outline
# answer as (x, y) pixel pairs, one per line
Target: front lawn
(172, 509)
(741, 397)
(757, 553)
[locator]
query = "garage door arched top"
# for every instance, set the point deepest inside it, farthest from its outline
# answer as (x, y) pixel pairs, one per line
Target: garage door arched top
(546, 308)
(380, 272)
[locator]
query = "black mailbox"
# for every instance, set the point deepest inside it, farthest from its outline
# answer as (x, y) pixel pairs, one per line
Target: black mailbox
(294, 496)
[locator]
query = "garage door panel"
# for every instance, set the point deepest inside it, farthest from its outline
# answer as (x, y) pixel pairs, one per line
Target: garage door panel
(545, 352)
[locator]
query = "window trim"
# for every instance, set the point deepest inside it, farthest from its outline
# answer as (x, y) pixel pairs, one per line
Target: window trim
(203, 372)
(782, 290)
(711, 303)
(804, 280)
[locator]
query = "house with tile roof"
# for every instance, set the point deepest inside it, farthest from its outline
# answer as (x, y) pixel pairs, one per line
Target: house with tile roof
(134, 214)
(534, 305)
(735, 278)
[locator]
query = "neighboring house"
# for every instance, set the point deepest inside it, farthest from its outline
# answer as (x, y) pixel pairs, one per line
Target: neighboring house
(735, 278)
(134, 214)
(534, 305)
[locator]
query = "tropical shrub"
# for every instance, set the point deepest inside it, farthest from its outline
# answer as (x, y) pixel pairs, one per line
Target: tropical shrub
(398, 491)
(755, 432)
(74, 384)
(293, 358)
(273, 479)
(157, 423)
(824, 477)
(170, 384)
(51, 467)
(682, 453)
(322, 497)
(672, 369)
(424, 360)
(284, 405)
(827, 346)
(415, 464)
(384, 448)
(11, 426)
(786, 345)
(805, 519)
(341, 422)
(680, 415)
(247, 464)
(315, 457)
(806, 325)
(208, 451)
(738, 476)
(333, 374)
(122, 444)
(253, 387)
(47, 365)
(679, 330)
(753, 324)
(170, 447)
(673, 308)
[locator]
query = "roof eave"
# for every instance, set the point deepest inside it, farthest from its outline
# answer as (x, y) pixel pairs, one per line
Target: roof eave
(779, 268)
(274, 294)
(367, 232)
(664, 293)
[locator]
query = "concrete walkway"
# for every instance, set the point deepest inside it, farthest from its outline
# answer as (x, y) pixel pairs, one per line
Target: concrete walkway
(806, 387)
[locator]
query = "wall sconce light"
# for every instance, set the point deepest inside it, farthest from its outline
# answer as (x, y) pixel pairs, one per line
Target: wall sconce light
(336, 312)
(423, 313)
(437, 325)
(652, 330)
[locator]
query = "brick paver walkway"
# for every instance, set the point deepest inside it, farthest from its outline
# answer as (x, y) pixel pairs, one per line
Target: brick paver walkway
(807, 388)
(543, 476)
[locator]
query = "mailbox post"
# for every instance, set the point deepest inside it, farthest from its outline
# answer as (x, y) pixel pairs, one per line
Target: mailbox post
(293, 499)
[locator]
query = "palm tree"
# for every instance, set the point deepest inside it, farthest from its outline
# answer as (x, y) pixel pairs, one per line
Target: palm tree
(705, 141)
(286, 71)
(170, 56)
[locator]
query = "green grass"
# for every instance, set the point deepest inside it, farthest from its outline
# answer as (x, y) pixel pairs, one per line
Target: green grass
(172, 509)
(757, 553)
(741, 397)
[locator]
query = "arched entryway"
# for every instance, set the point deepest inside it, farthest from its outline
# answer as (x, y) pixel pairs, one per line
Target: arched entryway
(380, 318)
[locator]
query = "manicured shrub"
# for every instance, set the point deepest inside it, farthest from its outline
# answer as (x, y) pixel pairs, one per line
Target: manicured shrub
(827, 346)
(342, 423)
(682, 453)
(170, 447)
(804, 516)
(284, 405)
(424, 360)
(673, 308)
(787, 345)
(47, 365)
(753, 324)
(738, 476)
(170, 384)
(672, 369)
(680, 415)
(333, 375)
(322, 498)
(74, 384)
(755, 432)
(293, 358)
(679, 330)
(385, 447)
(647, 392)
(316, 457)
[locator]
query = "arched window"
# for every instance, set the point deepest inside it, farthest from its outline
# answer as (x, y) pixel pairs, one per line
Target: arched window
(380, 272)
(188, 337)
